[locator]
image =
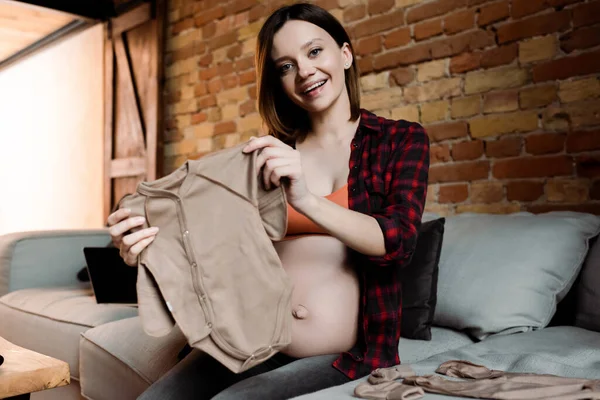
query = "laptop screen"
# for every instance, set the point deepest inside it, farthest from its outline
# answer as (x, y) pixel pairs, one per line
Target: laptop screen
(112, 280)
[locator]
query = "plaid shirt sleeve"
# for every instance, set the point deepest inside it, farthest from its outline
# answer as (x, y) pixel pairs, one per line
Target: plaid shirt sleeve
(406, 176)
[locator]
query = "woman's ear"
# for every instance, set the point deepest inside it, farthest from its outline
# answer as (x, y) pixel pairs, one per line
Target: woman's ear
(347, 55)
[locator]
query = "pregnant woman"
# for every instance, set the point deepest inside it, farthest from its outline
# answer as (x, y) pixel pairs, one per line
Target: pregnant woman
(355, 184)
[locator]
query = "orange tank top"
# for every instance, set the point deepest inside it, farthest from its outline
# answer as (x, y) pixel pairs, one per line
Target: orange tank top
(299, 225)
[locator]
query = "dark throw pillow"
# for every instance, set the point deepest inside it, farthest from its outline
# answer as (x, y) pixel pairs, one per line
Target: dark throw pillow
(419, 282)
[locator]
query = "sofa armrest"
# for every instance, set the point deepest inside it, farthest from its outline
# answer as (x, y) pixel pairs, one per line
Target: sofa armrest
(45, 258)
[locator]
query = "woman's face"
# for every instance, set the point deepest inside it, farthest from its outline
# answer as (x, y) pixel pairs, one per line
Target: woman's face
(310, 65)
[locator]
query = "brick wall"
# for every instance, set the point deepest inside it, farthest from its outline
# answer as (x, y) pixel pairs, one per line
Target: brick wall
(509, 90)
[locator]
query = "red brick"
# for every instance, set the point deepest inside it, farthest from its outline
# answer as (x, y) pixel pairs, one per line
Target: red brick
(545, 143)
(467, 41)
(225, 127)
(588, 166)
(223, 40)
(580, 39)
(247, 77)
(459, 21)
(428, 29)
(326, 4)
(589, 208)
(396, 58)
(215, 85)
(453, 193)
(240, 5)
(401, 76)
(524, 190)
(365, 64)
(379, 23)
(209, 15)
(586, 14)
(207, 102)
(369, 45)
(396, 38)
(501, 148)
(448, 130)
(188, 51)
(465, 62)
(257, 12)
(533, 167)
(244, 64)
(439, 153)
(247, 107)
(205, 60)
(200, 89)
(379, 6)
(182, 25)
(522, 8)
(493, 13)
(534, 26)
(595, 191)
(225, 68)
(582, 64)
(208, 73)
(355, 13)
(433, 9)
(234, 51)
(459, 172)
(583, 141)
(199, 117)
(469, 150)
(499, 55)
(209, 30)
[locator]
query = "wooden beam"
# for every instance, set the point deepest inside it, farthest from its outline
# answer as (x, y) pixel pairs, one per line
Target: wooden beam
(131, 19)
(108, 118)
(130, 106)
(124, 167)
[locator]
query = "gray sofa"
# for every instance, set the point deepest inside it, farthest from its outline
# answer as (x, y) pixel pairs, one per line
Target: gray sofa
(501, 280)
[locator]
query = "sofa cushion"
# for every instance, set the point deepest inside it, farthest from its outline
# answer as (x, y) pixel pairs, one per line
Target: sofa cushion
(587, 313)
(50, 320)
(442, 339)
(119, 352)
(419, 282)
(505, 273)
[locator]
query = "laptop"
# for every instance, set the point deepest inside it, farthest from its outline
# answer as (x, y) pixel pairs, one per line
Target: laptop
(113, 281)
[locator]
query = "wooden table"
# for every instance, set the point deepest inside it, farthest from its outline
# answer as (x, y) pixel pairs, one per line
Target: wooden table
(25, 371)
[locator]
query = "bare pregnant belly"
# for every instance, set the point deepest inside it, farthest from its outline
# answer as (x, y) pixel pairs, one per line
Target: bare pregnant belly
(326, 285)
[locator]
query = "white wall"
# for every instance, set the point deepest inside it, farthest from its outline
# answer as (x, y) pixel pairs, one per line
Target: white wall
(51, 137)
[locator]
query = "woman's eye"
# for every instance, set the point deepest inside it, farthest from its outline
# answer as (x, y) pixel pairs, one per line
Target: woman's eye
(315, 52)
(284, 68)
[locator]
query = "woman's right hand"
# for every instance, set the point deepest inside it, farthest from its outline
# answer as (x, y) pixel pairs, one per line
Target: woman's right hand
(131, 245)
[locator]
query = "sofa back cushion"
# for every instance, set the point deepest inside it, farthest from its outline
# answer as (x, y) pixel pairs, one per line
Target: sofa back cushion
(587, 313)
(501, 274)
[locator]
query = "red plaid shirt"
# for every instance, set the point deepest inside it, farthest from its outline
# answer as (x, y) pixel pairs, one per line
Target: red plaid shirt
(389, 167)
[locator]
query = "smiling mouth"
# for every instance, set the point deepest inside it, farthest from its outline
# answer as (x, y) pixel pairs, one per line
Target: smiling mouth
(315, 86)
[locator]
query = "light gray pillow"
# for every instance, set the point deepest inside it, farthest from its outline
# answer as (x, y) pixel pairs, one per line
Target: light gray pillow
(501, 274)
(587, 315)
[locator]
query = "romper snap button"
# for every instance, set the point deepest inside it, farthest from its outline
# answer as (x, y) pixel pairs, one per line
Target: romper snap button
(209, 325)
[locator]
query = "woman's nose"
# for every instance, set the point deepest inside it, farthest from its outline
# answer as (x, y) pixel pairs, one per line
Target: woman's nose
(305, 70)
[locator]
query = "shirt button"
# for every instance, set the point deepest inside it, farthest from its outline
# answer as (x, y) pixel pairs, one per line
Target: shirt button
(353, 189)
(209, 325)
(186, 233)
(354, 144)
(194, 265)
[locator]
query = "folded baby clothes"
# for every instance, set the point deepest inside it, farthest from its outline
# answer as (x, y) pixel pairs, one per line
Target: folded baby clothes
(478, 382)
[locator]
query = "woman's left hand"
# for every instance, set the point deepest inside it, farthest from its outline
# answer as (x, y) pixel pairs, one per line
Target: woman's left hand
(280, 161)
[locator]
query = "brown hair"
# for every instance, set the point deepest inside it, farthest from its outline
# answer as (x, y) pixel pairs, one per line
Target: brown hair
(284, 119)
